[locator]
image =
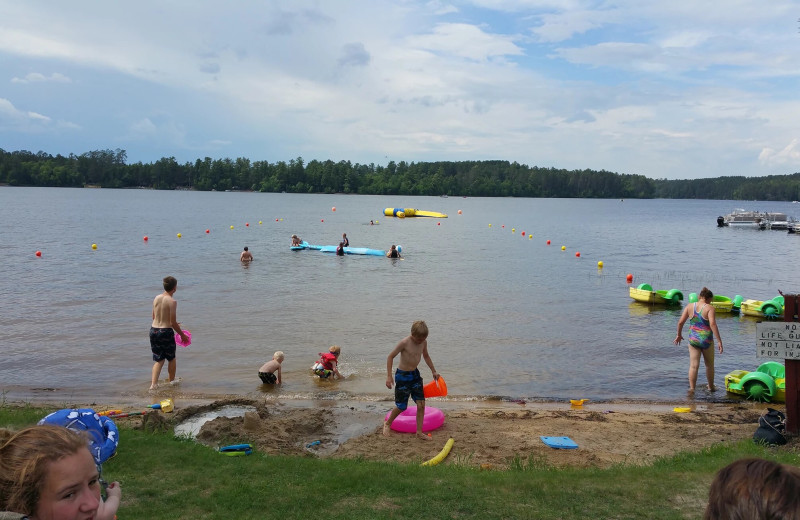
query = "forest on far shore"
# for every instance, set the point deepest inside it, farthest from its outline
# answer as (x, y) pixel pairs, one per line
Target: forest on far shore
(493, 178)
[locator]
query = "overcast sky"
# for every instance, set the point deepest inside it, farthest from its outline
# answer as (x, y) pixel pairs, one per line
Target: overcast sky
(667, 89)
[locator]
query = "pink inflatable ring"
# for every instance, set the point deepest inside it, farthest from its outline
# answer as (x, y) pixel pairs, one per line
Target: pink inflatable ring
(406, 422)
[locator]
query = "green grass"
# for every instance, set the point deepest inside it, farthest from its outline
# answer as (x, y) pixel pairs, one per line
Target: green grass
(167, 477)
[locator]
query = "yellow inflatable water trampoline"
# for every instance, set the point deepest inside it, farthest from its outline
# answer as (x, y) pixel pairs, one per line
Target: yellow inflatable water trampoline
(411, 212)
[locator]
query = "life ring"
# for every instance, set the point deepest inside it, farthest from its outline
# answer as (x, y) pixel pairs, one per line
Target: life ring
(102, 432)
(406, 422)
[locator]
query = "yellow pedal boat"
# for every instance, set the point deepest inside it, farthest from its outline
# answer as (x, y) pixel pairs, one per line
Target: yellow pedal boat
(767, 383)
(763, 309)
(722, 303)
(645, 294)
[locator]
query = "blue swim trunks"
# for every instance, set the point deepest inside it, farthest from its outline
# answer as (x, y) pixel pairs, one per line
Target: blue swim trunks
(407, 383)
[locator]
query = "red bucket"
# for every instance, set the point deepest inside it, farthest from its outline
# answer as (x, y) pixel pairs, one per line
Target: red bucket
(436, 388)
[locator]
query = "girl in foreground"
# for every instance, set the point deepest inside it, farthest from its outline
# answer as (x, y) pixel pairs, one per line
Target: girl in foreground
(48, 473)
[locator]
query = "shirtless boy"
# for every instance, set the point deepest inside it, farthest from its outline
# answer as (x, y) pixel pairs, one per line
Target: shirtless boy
(407, 380)
(246, 256)
(162, 332)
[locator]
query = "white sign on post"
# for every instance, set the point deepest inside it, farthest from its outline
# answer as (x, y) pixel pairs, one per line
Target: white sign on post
(778, 340)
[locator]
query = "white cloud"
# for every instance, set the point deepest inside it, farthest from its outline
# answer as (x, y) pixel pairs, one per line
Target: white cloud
(36, 77)
(789, 155)
(465, 41)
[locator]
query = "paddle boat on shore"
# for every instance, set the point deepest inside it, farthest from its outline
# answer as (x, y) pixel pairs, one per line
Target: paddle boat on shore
(645, 294)
(767, 383)
(411, 212)
(763, 309)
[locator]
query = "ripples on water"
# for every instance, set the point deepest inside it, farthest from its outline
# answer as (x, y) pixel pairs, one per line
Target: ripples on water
(509, 315)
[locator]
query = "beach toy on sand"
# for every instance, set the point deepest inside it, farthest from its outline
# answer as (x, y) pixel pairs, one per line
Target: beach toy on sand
(559, 443)
(436, 388)
(180, 342)
(577, 402)
(237, 450)
(406, 422)
(442, 454)
(165, 406)
(681, 409)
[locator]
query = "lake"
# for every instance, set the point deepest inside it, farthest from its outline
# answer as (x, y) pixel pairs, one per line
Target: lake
(509, 315)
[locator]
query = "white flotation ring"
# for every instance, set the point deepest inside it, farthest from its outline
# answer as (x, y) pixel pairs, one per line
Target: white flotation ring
(406, 422)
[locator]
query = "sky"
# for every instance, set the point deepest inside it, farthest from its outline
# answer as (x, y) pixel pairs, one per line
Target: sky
(682, 89)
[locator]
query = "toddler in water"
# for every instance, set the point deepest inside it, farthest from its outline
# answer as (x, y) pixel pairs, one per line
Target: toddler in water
(268, 370)
(327, 365)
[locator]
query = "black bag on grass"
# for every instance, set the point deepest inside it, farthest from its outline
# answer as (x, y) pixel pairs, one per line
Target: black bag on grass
(771, 428)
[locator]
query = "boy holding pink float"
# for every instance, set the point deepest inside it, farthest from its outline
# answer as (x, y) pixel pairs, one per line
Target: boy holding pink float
(407, 379)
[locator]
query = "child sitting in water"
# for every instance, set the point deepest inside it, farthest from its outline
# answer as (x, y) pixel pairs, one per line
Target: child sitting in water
(327, 365)
(268, 370)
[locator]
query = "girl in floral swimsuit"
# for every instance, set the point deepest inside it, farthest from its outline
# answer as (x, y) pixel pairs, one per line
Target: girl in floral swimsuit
(702, 331)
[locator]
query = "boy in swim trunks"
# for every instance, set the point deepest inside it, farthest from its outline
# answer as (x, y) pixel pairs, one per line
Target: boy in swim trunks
(162, 332)
(270, 368)
(407, 380)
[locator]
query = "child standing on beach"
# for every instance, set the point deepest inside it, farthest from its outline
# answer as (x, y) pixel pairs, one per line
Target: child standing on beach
(268, 370)
(328, 364)
(407, 379)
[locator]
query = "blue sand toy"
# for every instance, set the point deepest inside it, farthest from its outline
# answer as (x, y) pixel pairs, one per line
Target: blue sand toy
(559, 443)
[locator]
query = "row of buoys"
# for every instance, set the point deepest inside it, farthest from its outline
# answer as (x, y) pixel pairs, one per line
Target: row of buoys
(563, 248)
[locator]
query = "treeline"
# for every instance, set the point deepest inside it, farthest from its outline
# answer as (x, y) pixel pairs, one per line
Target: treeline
(109, 169)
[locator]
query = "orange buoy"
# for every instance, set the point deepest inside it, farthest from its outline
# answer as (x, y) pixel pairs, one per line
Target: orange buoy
(322, 220)
(145, 238)
(39, 254)
(629, 278)
(333, 208)
(208, 231)
(578, 254)
(438, 223)
(459, 212)
(523, 233)
(548, 242)
(246, 224)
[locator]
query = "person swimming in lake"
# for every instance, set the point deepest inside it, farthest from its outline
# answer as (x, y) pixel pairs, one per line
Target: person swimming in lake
(246, 256)
(340, 249)
(296, 241)
(393, 252)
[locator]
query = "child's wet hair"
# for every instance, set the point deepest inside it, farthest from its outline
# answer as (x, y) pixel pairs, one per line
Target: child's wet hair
(419, 329)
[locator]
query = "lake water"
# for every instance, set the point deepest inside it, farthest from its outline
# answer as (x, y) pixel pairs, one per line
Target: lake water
(509, 316)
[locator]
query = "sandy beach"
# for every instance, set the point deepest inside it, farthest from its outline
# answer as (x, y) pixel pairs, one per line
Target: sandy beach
(489, 435)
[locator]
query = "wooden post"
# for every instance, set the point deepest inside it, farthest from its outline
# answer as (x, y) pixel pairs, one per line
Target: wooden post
(792, 306)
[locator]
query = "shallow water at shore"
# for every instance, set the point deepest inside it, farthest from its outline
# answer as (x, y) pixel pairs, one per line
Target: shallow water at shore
(510, 316)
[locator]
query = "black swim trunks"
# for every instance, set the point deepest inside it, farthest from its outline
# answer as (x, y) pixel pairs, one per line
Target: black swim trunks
(162, 344)
(268, 378)
(407, 383)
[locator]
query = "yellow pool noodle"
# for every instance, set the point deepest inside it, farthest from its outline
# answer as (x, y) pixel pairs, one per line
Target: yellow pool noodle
(442, 454)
